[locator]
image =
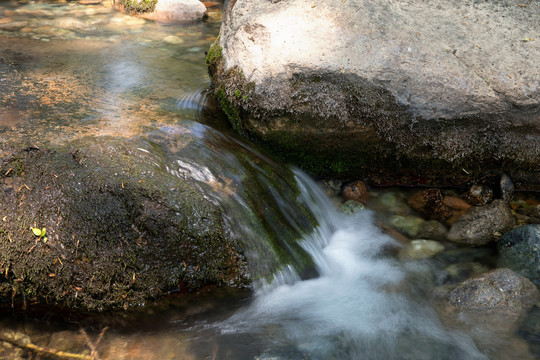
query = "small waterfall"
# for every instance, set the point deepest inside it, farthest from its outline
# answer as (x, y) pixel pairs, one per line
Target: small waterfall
(193, 105)
(360, 307)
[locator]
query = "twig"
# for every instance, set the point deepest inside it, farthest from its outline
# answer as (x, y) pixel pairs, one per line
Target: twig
(93, 346)
(45, 351)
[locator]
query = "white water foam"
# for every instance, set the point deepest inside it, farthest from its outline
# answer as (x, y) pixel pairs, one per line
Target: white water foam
(360, 307)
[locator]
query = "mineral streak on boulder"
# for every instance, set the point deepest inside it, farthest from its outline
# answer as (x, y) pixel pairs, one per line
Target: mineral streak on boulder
(426, 92)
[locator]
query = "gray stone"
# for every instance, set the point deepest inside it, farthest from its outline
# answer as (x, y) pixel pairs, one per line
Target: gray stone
(500, 289)
(456, 84)
(408, 225)
(507, 188)
(178, 11)
(519, 250)
(432, 230)
(482, 224)
(350, 207)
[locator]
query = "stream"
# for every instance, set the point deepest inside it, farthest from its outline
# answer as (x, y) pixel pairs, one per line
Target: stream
(70, 70)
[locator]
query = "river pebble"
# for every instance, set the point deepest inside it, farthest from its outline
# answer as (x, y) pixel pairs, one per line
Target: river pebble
(356, 190)
(478, 195)
(174, 40)
(408, 225)
(433, 230)
(482, 224)
(421, 249)
(429, 203)
(350, 207)
(457, 273)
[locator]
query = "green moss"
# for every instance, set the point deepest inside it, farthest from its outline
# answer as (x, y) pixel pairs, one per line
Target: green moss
(213, 58)
(232, 112)
(288, 149)
(142, 6)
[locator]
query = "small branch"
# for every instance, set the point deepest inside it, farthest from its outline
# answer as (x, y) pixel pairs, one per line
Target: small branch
(93, 346)
(45, 351)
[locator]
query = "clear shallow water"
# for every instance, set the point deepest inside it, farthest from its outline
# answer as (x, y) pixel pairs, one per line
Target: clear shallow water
(69, 70)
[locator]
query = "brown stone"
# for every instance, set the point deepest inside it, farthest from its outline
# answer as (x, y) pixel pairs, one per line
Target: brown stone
(356, 190)
(478, 195)
(455, 203)
(430, 204)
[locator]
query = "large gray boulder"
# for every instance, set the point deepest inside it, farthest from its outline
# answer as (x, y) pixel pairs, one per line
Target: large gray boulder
(409, 87)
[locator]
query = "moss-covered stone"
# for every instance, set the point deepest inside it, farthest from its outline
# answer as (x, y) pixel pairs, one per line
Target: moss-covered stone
(116, 233)
(125, 227)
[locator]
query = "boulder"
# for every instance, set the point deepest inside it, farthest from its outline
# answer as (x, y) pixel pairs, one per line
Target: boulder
(109, 223)
(519, 250)
(498, 290)
(482, 224)
(410, 91)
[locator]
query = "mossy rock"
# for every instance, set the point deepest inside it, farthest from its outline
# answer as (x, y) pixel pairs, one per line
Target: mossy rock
(122, 228)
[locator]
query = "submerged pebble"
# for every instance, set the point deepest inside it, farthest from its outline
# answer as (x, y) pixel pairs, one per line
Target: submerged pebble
(408, 225)
(421, 249)
(172, 39)
(350, 207)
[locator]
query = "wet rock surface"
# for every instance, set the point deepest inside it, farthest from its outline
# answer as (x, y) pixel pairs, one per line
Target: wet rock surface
(499, 290)
(520, 251)
(356, 190)
(430, 203)
(416, 88)
(116, 236)
(478, 195)
(125, 226)
(482, 224)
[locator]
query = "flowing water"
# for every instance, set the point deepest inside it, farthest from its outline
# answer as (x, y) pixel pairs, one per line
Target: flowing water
(69, 70)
